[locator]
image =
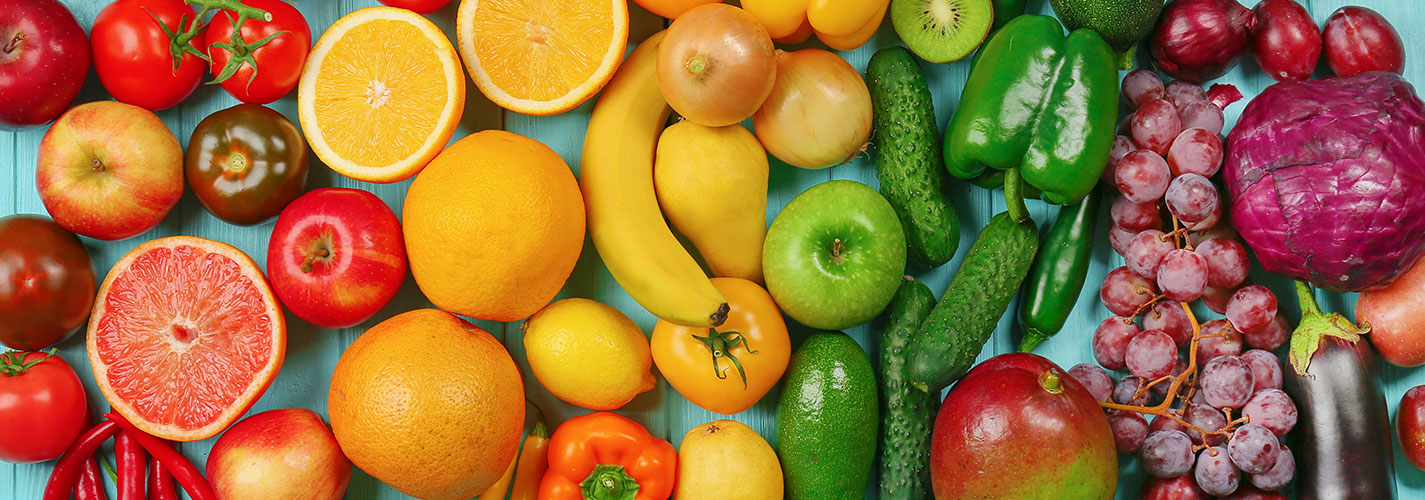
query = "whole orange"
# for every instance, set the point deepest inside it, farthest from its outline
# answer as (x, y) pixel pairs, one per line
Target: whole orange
(429, 404)
(493, 226)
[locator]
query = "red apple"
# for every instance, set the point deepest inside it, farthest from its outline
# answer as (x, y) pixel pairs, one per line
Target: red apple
(109, 170)
(287, 453)
(336, 256)
(44, 58)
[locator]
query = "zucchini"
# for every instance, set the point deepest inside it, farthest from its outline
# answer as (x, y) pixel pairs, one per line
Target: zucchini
(909, 412)
(977, 297)
(906, 149)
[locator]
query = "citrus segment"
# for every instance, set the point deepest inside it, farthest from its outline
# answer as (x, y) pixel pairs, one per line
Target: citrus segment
(541, 57)
(381, 94)
(185, 336)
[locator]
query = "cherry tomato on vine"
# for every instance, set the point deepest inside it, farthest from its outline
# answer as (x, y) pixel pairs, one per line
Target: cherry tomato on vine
(52, 282)
(42, 406)
(133, 53)
(246, 163)
(266, 63)
(417, 6)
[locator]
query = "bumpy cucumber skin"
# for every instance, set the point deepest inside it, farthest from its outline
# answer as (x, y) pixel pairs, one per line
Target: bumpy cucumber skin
(909, 412)
(971, 307)
(827, 419)
(909, 164)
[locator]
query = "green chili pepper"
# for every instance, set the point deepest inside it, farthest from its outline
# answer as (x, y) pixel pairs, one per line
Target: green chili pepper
(1058, 273)
(1039, 101)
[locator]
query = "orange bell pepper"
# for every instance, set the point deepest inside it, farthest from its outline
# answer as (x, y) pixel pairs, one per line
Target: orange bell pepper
(606, 456)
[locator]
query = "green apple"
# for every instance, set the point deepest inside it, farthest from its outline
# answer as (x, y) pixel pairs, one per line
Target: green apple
(834, 255)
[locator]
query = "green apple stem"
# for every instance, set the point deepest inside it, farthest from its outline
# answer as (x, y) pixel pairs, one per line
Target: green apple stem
(1014, 195)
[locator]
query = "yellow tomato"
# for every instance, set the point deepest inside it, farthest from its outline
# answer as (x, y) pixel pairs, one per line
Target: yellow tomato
(780, 17)
(671, 9)
(729, 368)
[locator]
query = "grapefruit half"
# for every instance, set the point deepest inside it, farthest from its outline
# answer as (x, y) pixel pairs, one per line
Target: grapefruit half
(185, 336)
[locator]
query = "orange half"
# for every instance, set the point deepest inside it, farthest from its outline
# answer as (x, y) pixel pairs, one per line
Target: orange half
(185, 337)
(541, 57)
(381, 94)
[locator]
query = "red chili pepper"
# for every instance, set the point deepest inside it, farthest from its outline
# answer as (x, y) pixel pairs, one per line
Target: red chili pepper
(183, 470)
(129, 459)
(160, 482)
(91, 486)
(67, 470)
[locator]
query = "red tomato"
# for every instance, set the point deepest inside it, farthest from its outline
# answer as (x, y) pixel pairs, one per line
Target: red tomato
(278, 62)
(42, 407)
(418, 6)
(132, 57)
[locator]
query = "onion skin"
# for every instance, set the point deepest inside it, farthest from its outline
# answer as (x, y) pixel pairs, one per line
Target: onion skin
(1199, 40)
(1360, 40)
(1393, 313)
(819, 112)
(716, 65)
(1285, 41)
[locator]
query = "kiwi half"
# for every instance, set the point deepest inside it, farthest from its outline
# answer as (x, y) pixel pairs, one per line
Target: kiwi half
(942, 31)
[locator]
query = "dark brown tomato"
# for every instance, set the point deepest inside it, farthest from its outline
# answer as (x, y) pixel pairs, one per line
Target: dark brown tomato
(246, 163)
(47, 284)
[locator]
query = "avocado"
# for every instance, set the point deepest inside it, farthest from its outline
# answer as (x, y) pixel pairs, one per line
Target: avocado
(827, 420)
(1122, 23)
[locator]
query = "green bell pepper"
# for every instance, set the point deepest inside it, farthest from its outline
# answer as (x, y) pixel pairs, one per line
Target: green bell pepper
(1041, 102)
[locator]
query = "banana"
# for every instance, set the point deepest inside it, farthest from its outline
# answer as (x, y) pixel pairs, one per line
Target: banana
(616, 177)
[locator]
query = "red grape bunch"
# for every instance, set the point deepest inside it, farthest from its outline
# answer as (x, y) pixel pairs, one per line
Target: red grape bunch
(1218, 411)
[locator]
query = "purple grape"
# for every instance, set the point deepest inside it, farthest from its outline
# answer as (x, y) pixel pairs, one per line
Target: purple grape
(1135, 216)
(1223, 231)
(1110, 341)
(1273, 409)
(1182, 275)
(1249, 492)
(1195, 151)
(1226, 382)
(1125, 389)
(1141, 85)
(1162, 423)
(1226, 262)
(1168, 316)
(1252, 308)
(1155, 125)
(1207, 418)
(1183, 93)
(1167, 454)
(1122, 145)
(1271, 337)
(1210, 222)
(1216, 298)
(1266, 369)
(1129, 430)
(1093, 378)
(1191, 197)
(1218, 339)
(1142, 176)
(1146, 251)
(1215, 473)
(1119, 238)
(1253, 448)
(1280, 473)
(1151, 354)
(1203, 115)
(1124, 293)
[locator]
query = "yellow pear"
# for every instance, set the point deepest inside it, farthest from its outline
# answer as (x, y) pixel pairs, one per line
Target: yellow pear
(712, 185)
(726, 460)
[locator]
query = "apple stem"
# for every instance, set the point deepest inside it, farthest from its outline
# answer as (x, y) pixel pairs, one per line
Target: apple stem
(312, 257)
(1050, 381)
(836, 249)
(96, 164)
(14, 42)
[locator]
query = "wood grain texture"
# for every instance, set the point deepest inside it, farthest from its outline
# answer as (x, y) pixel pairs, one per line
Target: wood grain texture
(313, 352)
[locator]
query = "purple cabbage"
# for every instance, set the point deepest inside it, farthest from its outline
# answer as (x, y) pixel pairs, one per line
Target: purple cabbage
(1327, 179)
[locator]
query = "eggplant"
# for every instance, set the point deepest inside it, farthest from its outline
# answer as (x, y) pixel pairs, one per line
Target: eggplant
(1342, 442)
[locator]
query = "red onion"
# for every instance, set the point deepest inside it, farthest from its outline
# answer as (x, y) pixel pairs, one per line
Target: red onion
(1199, 40)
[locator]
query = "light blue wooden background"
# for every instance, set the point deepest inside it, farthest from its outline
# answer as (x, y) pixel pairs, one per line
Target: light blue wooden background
(313, 352)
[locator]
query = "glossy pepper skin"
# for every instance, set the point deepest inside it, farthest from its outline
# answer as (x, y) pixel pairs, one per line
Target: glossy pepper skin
(606, 456)
(1059, 271)
(1041, 102)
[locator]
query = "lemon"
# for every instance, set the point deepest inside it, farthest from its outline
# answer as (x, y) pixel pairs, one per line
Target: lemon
(724, 453)
(588, 354)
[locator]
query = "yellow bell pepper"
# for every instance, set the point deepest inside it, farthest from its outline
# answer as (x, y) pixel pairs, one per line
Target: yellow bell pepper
(840, 24)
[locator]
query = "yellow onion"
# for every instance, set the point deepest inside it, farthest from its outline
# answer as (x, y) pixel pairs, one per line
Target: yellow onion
(819, 112)
(716, 65)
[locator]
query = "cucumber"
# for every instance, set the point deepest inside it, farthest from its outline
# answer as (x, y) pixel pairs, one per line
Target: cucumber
(827, 418)
(908, 412)
(906, 149)
(977, 297)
